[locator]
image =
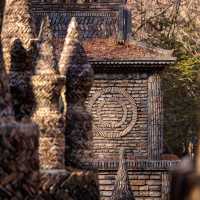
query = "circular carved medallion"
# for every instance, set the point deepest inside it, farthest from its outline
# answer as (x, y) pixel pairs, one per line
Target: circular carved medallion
(114, 112)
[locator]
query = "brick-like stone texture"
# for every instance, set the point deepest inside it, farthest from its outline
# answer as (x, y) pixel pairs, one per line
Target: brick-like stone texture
(118, 103)
(145, 184)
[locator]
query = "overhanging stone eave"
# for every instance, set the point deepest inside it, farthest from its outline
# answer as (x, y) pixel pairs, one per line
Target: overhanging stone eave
(145, 62)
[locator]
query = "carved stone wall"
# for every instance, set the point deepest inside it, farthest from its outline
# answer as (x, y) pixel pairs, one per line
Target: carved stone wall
(119, 105)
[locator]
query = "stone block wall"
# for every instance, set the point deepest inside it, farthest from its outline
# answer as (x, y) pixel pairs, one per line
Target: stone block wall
(118, 103)
(146, 185)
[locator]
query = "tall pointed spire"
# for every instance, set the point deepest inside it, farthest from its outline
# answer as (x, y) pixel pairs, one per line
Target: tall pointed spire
(122, 189)
(46, 58)
(79, 78)
(73, 52)
(17, 24)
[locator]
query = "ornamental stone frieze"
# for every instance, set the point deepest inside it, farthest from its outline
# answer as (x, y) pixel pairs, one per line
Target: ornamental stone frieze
(115, 112)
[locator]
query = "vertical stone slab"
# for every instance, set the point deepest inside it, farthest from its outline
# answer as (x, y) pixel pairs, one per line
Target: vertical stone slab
(155, 117)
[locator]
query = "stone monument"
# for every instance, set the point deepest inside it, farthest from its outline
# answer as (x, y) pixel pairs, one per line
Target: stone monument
(125, 99)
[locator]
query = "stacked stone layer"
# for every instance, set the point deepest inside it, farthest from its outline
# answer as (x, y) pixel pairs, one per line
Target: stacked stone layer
(151, 185)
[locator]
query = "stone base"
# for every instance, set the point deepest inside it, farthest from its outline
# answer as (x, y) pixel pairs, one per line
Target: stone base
(70, 185)
(19, 164)
(149, 179)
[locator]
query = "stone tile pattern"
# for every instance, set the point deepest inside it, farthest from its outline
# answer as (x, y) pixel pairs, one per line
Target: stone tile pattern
(146, 185)
(19, 168)
(136, 140)
(79, 77)
(94, 23)
(17, 33)
(47, 85)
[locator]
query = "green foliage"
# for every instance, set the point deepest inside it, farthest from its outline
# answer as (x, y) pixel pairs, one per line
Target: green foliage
(181, 98)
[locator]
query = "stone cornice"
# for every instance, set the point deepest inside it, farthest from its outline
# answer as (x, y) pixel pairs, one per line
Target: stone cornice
(161, 165)
(142, 62)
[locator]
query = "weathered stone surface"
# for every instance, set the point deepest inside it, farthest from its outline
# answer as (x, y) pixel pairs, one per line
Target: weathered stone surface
(47, 85)
(79, 78)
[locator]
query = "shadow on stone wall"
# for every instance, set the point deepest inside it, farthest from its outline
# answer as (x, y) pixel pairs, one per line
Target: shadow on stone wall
(20, 81)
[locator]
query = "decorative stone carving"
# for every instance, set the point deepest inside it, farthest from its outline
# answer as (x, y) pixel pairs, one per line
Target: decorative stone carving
(18, 47)
(47, 85)
(122, 189)
(79, 75)
(113, 106)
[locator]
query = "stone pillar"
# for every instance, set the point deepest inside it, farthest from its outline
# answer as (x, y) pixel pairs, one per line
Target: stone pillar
(47, 85)
(18, 48)
(155, 117)
(79, 78)
(19, 176)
